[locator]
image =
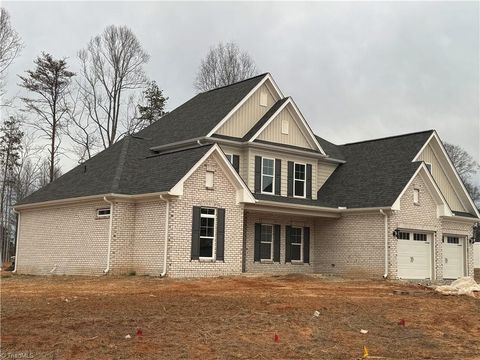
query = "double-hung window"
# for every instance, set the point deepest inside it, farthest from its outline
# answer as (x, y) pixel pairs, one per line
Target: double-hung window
(299, 182)
(268, 175)
(207, 233)
(266, 242)
(296, 243)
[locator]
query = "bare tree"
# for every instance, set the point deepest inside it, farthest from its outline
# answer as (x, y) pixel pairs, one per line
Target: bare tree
(111, 68)
(224, 64)
(10, 45)
(49, 82)
(466, 167)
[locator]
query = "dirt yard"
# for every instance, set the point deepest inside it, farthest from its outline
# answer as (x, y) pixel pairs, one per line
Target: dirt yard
(89, 318)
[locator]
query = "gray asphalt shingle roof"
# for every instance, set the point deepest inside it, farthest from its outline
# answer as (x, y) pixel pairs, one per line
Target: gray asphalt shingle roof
(375, 172)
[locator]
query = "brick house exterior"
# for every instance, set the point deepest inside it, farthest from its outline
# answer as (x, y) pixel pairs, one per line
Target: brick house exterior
(235, 181)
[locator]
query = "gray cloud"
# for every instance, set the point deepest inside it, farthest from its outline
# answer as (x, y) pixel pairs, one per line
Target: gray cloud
(356, 70)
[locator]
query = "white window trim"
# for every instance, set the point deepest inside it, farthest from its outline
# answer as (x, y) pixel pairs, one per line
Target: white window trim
(304, 181)
(416, 196)
(267, 242)
(273, 177)
(229, 158)
(214, 239)
(301, 245)
(102, 216)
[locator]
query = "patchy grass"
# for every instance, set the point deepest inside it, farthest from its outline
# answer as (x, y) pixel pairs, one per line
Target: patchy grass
(237, 317)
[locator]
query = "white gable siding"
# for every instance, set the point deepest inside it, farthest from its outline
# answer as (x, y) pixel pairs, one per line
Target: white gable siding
(324, 171)
(446, 187)
(295, 137)
(249, 113)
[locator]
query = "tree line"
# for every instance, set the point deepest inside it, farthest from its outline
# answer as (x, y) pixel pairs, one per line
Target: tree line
(76, 113)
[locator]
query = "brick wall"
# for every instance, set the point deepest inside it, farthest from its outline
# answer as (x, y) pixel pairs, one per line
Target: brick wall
(195, 193)
(275, 268)
(69, 238)
(351, 246)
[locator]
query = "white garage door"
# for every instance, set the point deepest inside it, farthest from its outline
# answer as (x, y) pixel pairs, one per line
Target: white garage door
(414, 255)
(453, 257)
(476, 255)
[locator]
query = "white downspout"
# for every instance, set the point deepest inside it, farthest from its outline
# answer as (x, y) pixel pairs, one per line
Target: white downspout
(107, 269)
(165, 247)
(16, 240)
(385, 216)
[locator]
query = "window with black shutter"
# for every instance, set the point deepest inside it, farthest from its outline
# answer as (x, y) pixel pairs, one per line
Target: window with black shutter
(208, 233)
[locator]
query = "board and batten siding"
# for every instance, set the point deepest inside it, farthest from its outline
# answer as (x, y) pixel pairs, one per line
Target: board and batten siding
(249, 113)
(295, 136)
(285, 158)
(324, 171)
(447, 188)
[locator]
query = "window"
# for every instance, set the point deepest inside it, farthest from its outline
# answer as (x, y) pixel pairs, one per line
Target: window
(299, 180)
(285, 126)
(429, 167)
(296, 244)
(103, 213)
(207, 233)
(420, 237)
(229, 158)
(266, 242)
(453, 240)
(268, 175)
(403, 235)
(209, 179)
(416, 196)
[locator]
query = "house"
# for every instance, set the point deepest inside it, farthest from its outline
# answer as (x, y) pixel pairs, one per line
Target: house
(234, 180)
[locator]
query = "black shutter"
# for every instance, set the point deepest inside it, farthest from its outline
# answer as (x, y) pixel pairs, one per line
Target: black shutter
(258, 173)
(220, 234)
(278, 176)
(236, 163)
(309, 181)
(276, 243)
(196, 233)
(306, 245)
(256, 252)
(288, 232)
(290, 179)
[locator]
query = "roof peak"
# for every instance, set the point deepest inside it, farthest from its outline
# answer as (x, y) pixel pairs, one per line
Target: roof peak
(389, 137)
(235, 83)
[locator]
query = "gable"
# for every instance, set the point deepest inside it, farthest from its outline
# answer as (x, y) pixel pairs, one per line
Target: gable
(295, 134)
(250, 111)
(445, 175)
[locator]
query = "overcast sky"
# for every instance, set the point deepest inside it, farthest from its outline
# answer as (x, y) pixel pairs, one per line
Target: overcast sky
(356, 70)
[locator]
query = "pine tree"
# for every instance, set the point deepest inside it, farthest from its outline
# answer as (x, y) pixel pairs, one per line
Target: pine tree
(154, 107)
(10, 147)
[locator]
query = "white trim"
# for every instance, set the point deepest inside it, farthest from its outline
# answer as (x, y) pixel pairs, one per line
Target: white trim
(229, 115)
(452, 167)
(214, 238)
(273, 177)
(442, 209)
(304, 181)
(299, 115)
(243, 195)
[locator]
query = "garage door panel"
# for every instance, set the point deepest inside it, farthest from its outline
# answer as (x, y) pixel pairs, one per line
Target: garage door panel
(414, 256)
(453, 257)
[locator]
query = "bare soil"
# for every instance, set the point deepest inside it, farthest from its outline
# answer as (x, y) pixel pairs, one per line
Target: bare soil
(234, 317)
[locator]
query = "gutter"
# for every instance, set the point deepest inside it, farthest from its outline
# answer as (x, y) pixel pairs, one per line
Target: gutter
(385, 216)
(17, 235)
(165, 246)
(107, 269)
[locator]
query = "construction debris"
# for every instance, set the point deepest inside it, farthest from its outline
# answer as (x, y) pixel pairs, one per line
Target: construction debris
(364, 331)
(463, 286)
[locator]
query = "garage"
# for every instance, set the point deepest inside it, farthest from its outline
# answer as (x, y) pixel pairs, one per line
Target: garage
(414, 255)
(476, 255)
(453, 256)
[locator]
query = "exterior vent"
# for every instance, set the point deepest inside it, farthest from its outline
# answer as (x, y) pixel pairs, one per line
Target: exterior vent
(263, 98)
(285, 126)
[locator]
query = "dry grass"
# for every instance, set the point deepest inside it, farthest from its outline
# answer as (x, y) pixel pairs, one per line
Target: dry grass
(88, 318)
